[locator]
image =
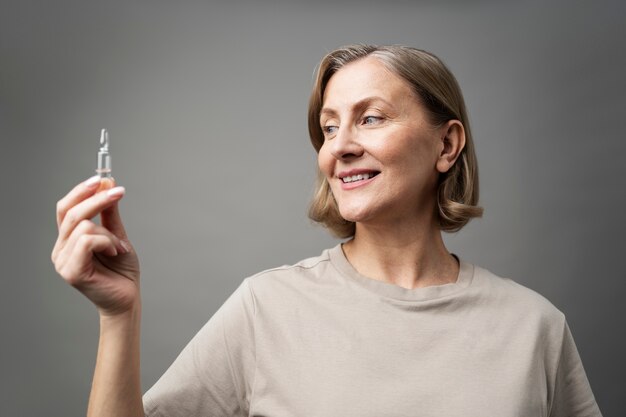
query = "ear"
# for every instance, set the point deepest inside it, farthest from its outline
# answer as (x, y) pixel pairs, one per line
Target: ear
(452, 142)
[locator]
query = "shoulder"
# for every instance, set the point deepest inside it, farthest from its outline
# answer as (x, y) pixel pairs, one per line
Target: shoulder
(512, 297)
(290, 277)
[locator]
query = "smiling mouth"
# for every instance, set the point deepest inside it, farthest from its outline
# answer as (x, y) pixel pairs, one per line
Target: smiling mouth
(359, 177)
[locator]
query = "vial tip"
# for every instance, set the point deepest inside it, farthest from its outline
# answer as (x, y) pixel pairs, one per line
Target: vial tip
(104, 138)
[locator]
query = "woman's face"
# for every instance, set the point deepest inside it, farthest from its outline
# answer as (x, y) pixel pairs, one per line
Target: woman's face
(380, 151)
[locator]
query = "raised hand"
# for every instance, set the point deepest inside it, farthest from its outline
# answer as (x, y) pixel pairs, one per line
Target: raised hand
(98, 260)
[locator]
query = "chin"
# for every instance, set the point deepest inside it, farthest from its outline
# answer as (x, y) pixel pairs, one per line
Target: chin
(355, 214)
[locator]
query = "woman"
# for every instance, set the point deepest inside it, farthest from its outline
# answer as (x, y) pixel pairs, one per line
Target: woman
(389, 322)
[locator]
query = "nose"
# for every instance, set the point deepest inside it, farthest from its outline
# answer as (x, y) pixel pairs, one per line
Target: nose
(345, 144)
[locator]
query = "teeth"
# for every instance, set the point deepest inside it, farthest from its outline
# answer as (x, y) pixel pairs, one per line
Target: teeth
(358, 177)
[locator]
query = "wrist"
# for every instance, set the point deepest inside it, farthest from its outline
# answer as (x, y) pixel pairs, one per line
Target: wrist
(130, 315)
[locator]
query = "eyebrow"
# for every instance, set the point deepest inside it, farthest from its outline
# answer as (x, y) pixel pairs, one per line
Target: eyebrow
(359, 105)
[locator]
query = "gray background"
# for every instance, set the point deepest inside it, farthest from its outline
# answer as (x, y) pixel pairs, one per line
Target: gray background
(206, 106)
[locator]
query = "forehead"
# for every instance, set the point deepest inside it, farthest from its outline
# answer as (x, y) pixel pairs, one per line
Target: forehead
(365, 78)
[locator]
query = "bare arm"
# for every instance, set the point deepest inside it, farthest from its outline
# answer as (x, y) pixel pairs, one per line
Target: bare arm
(99, 261)
(116, 389)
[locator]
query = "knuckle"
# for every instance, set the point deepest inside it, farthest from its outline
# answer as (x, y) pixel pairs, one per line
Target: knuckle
(84, 241)
(70, 216)
(59, 267)
(85, 225)
(60, 207)
(55, 256)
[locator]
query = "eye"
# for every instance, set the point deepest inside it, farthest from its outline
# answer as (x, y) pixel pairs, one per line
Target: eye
(371, 120)
(329, 130)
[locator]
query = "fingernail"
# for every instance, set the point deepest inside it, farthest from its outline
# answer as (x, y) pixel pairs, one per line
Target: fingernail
(114, 192)
(91, 182)
(125, 246)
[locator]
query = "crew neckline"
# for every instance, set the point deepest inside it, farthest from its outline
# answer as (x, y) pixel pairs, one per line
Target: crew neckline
(386, 289)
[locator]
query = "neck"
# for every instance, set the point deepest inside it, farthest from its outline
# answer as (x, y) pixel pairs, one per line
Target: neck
(409, 255)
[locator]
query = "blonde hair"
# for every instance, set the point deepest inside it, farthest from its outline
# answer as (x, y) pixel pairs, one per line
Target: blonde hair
(439, 92)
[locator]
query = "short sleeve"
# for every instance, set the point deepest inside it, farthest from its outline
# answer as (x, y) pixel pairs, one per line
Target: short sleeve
(572, 393)
(213, 374)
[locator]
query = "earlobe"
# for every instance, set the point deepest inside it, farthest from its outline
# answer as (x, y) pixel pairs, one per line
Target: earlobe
(453, 141)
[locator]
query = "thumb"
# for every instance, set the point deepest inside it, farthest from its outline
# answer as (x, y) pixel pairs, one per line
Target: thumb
(111, 219)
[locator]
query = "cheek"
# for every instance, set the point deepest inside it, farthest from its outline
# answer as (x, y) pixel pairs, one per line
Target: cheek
(412, 158)
(420, 149)
(325, 161)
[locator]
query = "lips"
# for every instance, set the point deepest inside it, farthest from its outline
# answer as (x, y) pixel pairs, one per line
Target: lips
(356, 178)
(355, 175)
(359, 177)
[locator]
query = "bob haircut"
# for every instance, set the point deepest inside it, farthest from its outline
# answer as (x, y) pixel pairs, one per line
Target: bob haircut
(439, 92)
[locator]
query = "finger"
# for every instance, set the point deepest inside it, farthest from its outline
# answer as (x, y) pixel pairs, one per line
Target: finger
(112, 220)
(75, 196)
(63, 243)
(81, 265)
(87, 227)
(88, 209)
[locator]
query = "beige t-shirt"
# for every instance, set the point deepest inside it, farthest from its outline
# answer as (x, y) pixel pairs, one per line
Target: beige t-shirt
(317, 339)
